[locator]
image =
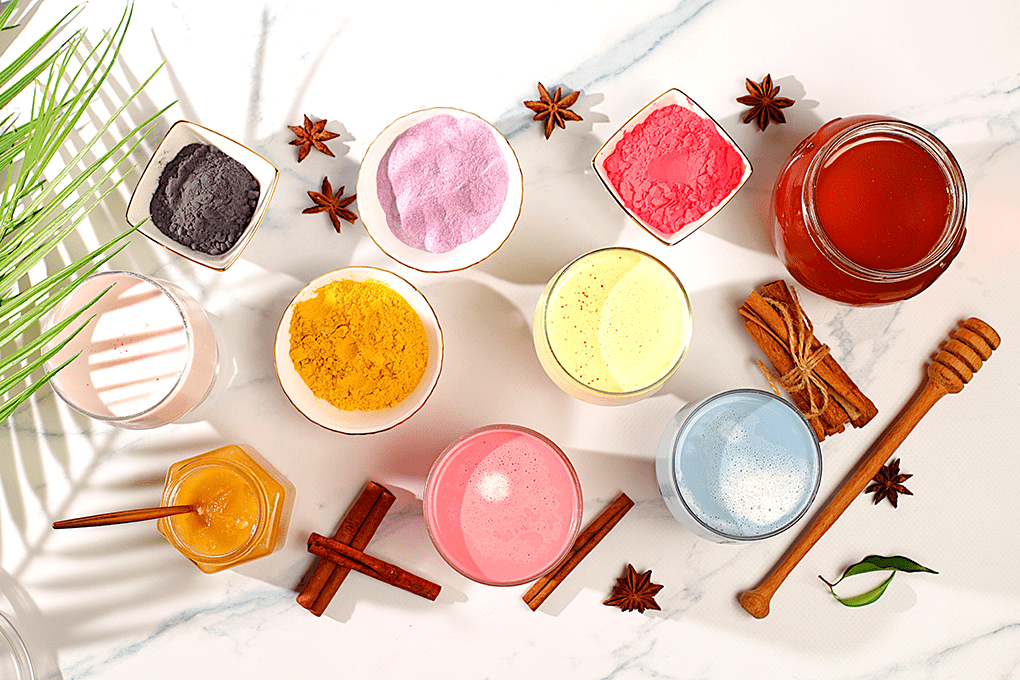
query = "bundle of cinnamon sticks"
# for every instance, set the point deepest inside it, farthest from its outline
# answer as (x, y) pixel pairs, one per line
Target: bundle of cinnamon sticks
(803, 366)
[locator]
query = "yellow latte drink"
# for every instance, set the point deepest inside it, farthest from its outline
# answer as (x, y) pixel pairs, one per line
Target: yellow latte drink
(612, 326)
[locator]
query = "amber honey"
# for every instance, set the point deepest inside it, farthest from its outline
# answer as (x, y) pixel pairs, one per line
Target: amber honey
(239, 508)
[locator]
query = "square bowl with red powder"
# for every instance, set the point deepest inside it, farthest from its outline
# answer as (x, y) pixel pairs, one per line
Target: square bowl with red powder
(202, 195)
(671, 167)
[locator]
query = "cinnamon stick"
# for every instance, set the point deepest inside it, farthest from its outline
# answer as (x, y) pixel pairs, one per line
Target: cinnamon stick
(356, 529)
(352, 558)
(777, 324)
(585, 543)
(830, 371)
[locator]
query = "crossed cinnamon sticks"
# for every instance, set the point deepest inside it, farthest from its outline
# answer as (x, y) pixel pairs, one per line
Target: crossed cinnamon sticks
(817, 385)
(344, 553)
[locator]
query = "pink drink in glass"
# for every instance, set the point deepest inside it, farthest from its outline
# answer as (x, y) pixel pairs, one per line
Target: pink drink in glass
(146, 358)
(502, 505)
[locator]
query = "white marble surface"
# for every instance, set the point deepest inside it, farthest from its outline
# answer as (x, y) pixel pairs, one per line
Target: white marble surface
(119, 602)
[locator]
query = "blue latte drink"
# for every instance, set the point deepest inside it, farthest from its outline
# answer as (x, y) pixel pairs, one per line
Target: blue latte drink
(740, 465)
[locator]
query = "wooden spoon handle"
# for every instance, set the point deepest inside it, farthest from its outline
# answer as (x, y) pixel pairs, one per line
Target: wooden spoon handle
(954, 366)
(123, 516)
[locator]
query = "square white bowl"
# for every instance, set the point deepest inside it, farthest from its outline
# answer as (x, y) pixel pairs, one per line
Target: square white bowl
(179, 136)
(668, 98)
(325, 414)
(466, 254)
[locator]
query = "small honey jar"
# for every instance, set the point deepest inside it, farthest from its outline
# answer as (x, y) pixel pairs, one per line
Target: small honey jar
(240, 508)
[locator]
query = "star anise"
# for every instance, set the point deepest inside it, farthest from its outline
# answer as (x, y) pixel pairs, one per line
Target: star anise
(553, 109)
(764, 103)
(634, 591)
(312, 134)
(889, 483)
(335, 205)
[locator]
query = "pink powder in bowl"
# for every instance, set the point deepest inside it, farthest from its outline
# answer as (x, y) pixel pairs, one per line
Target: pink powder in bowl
(442, 182)
(673, 168)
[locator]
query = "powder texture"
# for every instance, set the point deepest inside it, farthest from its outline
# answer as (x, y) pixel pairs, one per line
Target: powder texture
(672, 168)
(442, 182)
(359, 345)
(204, 199)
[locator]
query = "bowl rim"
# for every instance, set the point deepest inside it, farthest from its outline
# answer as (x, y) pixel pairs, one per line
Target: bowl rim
(281, 354)
(145, 225)
(395, 128)
(670, 96)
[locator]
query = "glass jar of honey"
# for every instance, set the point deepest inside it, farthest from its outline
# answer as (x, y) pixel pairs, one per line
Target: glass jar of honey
(869, 210)
(240, 507)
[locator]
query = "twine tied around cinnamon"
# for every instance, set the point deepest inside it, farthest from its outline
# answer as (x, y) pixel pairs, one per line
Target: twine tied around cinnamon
(802, 377)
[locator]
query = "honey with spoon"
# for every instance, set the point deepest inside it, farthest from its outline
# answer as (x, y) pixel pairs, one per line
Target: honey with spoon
(240, 508)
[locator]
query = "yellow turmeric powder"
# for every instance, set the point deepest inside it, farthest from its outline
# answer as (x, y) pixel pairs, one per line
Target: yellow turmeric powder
(359, 345)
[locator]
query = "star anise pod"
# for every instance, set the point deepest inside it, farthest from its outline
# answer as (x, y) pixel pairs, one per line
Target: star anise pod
(889, 483)
(634, 591)
(312, 134)
(553, 109)
(335, 205)
(764, 103)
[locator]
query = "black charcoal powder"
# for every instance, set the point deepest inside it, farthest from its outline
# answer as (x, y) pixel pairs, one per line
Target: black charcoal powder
(204, 199)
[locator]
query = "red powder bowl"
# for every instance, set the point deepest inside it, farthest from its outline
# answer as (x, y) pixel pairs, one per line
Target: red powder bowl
(671, 167)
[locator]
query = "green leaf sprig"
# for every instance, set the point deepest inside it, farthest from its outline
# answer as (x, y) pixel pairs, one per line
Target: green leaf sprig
(869, 564)
(50, 179)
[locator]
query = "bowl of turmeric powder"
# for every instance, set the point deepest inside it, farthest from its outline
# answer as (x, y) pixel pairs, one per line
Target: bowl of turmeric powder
(359, 350)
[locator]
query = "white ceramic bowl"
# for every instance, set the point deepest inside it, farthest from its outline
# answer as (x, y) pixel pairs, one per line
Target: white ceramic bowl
(464, 255)
(323, 413)
(668, 98)
(179, 136)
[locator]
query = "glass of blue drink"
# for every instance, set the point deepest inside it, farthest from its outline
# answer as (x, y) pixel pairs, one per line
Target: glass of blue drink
(740, 465)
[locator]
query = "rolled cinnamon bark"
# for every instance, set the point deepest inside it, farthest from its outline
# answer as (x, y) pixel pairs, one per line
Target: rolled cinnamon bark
(356, 529)
(351, 558)
(777, 324)
(585, 543)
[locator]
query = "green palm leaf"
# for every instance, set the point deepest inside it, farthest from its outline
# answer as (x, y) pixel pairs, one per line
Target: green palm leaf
(44, 200)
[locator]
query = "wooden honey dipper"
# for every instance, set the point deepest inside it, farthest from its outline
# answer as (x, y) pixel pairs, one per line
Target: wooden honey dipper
(960, 358)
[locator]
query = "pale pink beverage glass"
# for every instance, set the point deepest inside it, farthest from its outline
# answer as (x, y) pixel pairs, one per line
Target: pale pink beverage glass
(147, 357)
(503, 505)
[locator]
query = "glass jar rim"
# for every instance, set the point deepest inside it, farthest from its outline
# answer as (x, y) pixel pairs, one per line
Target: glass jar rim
(904, 131)
(259, 527)
(189, 332)
(557, 282)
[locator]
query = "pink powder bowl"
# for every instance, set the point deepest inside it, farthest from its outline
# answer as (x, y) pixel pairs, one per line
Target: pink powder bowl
(671, 167)
(440, 190)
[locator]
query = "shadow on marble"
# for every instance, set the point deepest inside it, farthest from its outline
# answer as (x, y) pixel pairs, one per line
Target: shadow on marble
(704, 370)
(747, 220)
(561, 190)
(491, 373)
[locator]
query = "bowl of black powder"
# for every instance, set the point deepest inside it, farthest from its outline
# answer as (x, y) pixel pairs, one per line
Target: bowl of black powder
(204, 195)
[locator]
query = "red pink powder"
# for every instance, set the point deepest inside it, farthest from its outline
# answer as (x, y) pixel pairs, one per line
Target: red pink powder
(672, 168)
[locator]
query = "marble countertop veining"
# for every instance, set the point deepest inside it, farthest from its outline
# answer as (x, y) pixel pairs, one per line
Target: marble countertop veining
(119, 602)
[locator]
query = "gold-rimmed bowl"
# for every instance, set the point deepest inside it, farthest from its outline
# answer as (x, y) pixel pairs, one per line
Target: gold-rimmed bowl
(668, 98)
(181, 134)
(467, 254)
(325, 414)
